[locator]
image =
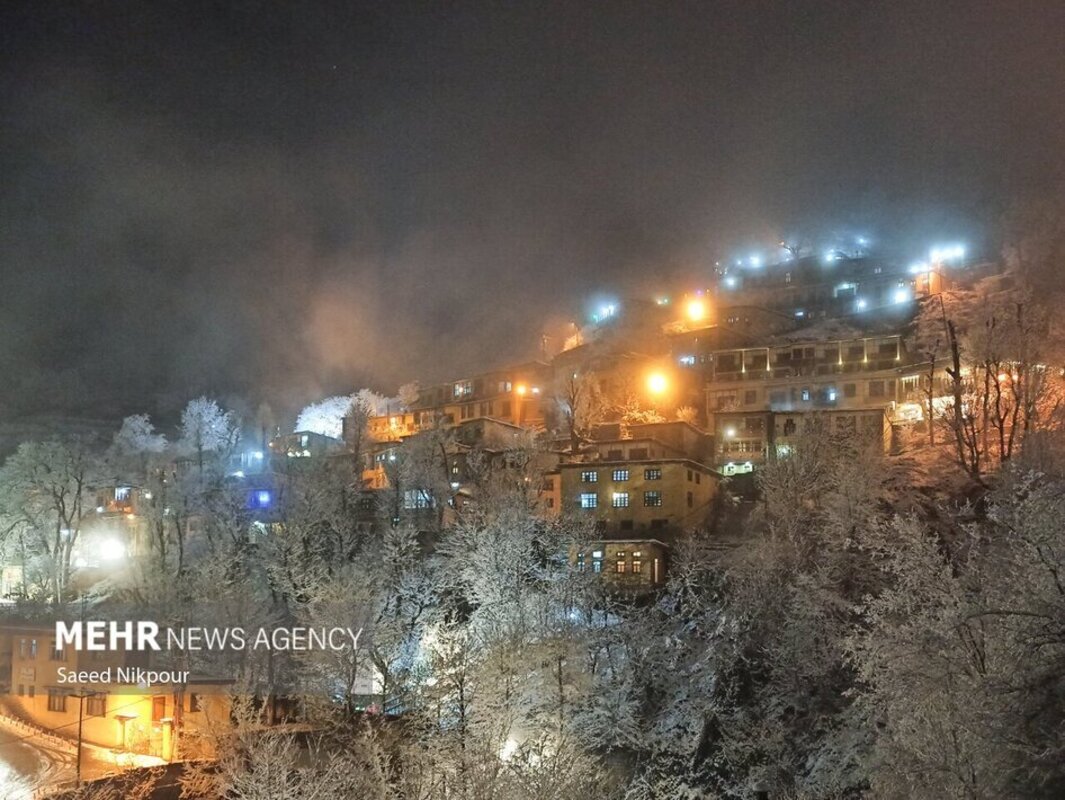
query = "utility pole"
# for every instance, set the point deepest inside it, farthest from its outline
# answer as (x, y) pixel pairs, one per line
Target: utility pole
(81, 717)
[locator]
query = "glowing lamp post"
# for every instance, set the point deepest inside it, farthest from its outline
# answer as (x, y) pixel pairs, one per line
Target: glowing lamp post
(520, 390)
(657, 384)
(696, 310)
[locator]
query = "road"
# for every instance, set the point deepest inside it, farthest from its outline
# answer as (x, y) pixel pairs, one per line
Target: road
(20, 764)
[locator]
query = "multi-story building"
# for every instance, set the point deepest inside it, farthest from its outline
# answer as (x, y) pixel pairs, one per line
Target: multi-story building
(830, 285)
(114, 712)
(514, 394)
(630, 566)
(746, 439)
(656, 478)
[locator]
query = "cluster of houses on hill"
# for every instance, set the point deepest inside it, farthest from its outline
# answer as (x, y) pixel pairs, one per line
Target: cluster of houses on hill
(638, 419)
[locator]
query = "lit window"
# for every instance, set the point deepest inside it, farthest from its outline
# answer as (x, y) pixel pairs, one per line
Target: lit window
(57, 700)
(589, 476)
(96, 706)
(619, 566)
(637, 566)
(589, 500)
(688, 361)
(122, 493)
(580, 562)
(621, 475)
(620, 500)
(417, 498)
(652, 474)
(652, 499)
(805, 394)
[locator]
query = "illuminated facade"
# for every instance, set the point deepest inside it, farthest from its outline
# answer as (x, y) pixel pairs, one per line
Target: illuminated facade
(629, 566)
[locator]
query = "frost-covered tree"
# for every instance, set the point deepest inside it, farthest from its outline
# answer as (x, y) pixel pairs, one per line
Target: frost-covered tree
(325, 417)
(964, 654)
(207, 428)
(580, 405)
(138, 435)
(408, 394)
(47, 490)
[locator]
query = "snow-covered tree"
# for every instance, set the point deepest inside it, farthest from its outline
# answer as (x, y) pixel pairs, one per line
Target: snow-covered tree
(326, 416)
(47, 489)
(207, 428)
(408, 394)
(138, 435)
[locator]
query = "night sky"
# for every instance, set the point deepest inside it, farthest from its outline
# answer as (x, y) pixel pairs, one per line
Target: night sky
(282, 200)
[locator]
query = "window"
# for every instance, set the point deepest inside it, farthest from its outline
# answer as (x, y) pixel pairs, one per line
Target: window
(550, 502)
(849, 390)
(122, 493)
(619, 565)
(689, 476)
(580, 562)
(657, 524)
(504, 410)
(96, 705)
(620, 475)
(638, 453)
(805, 395)
(750, 397)
(195, 703)
(652, 499)
(21, 690)
(597, 561)
(615, 455)
(158, 708)
(637, 566)
(653, 474)
(589, 500)
(57, 700)
(690, 500)
(31, 690)
(620, 500)
(57, 653)
(777, 398)
(626, 525)
(23, 649)
(789, 426)
(417, 498)
(33, 648)
(698, 477)
(876, 388)
(589, 476)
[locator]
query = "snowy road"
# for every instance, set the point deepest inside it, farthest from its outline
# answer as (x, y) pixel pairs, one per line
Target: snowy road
(19, 764)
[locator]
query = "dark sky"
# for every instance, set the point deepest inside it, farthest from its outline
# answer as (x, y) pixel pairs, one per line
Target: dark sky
(280, 200)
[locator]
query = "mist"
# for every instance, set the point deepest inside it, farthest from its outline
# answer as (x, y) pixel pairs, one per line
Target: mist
(279, 204)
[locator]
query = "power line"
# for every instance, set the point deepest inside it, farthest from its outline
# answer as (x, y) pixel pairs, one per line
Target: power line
(69, 724)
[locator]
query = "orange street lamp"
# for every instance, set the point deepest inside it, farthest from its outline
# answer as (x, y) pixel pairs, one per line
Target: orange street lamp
(520, 389)
(657, 383)
(696, 310)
